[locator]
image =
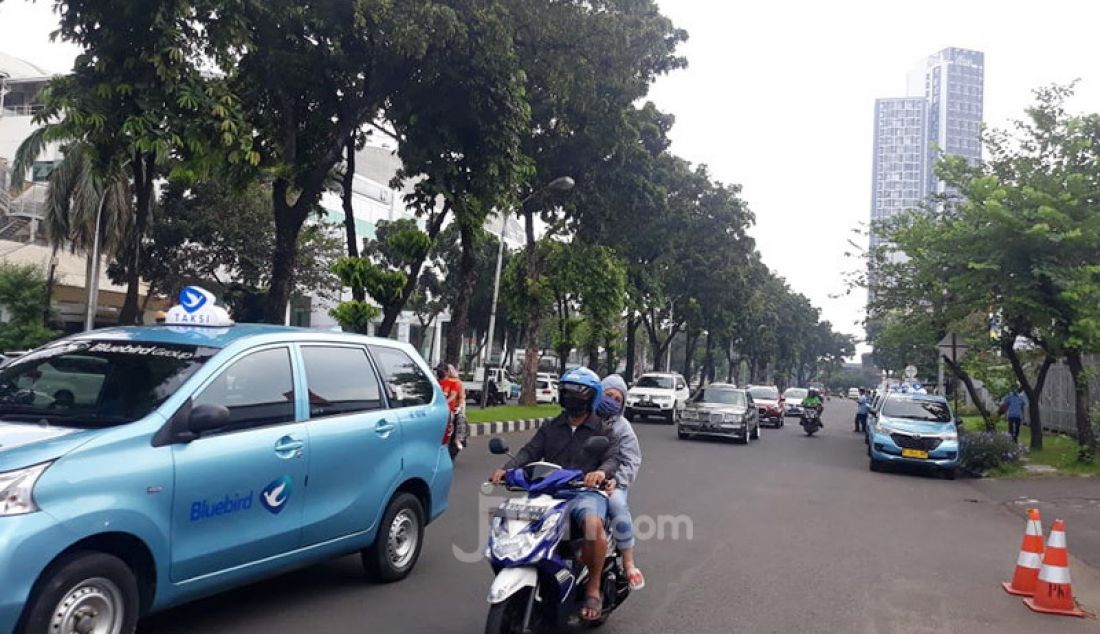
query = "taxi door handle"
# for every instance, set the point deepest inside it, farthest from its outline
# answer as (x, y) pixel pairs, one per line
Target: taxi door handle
(289, 447)
(384, 427)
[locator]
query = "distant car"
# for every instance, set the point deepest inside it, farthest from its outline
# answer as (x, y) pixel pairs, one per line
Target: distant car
(769, 404)
(915, 429)
(661, 394)
(853, 393)
(720, 409)
(792, 401)
(546, 391)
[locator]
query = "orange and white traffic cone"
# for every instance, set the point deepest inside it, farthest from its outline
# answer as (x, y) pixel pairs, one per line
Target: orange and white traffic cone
(1030, 559)
(1054, 591)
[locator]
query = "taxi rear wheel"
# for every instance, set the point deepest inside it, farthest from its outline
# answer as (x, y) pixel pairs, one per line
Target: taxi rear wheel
(400, 536)
(84, 593)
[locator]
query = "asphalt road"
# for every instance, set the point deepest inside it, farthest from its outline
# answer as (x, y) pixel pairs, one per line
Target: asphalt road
(789, 534)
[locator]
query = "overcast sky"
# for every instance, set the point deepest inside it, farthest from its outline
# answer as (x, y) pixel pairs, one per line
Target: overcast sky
(779, 98)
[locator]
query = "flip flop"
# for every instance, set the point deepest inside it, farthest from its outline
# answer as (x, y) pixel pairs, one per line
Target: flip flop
(592, 604)
(636, 578)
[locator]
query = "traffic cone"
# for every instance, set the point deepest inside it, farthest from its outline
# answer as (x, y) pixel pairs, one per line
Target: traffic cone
(1030, 559)
(1054, 591)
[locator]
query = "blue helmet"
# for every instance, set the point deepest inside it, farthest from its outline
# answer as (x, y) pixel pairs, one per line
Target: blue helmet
(580, 390)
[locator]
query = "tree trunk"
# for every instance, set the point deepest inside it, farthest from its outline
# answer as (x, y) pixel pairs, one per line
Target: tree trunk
(143, 167)
(609, 354)
(347, 183)
(460, 310)
(690, 341)
(51, 278)
(631, 343)
(593, 353)
(1086, 438)
(708, 360)
(970, 389)
(288, 226)
(534, 313)
(1034, 391)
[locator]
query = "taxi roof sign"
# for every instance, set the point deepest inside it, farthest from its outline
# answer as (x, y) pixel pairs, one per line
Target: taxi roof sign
(196, 308)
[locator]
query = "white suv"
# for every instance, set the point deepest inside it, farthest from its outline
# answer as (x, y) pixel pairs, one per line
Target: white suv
(661, 394)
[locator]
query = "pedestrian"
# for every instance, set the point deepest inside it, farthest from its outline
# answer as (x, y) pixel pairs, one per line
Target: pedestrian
(1013, 406)
(862, 407)
(456, 400)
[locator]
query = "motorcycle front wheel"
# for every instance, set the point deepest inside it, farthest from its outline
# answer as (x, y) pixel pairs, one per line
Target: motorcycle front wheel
(507, 617)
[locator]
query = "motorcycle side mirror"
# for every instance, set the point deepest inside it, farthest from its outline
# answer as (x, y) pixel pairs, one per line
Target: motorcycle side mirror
(596, 445)
(498, 447)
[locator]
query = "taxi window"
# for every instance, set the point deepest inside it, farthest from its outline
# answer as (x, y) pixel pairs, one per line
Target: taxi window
(258, 389)
(340, 381)
(406, 385)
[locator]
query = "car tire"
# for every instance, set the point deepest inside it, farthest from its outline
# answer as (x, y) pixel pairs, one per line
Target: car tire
(84, 580)
(670, 418)
(949, 474)
(682, 435)
(400, 538)
(875, 465)
(757, 436)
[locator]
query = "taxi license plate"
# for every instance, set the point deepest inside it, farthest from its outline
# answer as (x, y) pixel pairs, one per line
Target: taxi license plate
(914, 453)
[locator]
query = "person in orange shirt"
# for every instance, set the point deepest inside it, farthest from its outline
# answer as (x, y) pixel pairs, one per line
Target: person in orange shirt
(456, 400)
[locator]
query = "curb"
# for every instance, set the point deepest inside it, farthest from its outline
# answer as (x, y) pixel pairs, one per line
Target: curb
(504, 427)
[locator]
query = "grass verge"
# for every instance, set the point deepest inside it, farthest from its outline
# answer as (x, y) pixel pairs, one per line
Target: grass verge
(1059, 451)
(511, 412)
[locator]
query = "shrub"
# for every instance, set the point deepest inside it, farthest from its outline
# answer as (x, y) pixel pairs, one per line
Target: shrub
(982, 451)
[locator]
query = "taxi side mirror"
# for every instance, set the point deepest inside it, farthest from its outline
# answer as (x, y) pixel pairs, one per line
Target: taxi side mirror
(206, 418)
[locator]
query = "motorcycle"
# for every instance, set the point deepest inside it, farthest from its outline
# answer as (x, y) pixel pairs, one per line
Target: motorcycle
(811, 420)
(540, 578)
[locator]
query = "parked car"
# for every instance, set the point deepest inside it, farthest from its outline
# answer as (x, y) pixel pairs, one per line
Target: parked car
(720, 409)
(186, 474)
(914, 429)
(853, 393)
(499, 376)
(546, 391)
(661, 394)
(769, 404)
(792, 401)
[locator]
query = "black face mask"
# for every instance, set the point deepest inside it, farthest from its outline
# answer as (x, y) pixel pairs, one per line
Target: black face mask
(575, 399)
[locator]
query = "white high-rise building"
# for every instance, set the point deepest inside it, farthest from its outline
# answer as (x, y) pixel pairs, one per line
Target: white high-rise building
(900, 160)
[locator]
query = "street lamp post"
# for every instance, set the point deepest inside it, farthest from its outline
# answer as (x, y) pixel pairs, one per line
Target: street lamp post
(562, 183)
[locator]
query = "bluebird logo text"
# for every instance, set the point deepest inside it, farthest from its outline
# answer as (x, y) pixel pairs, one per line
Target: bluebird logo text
(206, 509)
(275, 495)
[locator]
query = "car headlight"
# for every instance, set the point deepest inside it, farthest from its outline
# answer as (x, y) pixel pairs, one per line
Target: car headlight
(17, 490)
(950, 435)
(734, 418)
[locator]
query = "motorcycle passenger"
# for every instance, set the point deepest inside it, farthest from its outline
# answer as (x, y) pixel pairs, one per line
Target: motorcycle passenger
(813, 401)
(610, 408)
(561, 441)
(456, 400)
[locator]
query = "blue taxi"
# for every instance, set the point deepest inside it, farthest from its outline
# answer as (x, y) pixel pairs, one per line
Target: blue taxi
(144, 467)
(913, 429)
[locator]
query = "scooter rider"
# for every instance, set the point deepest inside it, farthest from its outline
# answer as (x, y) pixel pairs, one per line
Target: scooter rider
(813, 401)
(561, 441)
(610, 408)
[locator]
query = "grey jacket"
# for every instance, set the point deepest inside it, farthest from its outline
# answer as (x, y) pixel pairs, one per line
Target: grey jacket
(630, 452)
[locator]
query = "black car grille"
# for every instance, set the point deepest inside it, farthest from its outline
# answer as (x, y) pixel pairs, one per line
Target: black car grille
(912, 442)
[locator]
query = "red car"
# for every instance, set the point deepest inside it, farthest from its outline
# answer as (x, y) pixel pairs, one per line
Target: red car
(769, 404)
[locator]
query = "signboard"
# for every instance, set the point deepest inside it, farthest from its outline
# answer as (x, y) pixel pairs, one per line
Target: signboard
(953, 347)
(911, 372)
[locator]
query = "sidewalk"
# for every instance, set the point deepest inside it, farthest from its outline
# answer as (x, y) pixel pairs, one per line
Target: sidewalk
(1075, 500)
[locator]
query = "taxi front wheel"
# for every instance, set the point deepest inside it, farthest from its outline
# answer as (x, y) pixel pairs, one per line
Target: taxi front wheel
(84, 592)
(397, 545)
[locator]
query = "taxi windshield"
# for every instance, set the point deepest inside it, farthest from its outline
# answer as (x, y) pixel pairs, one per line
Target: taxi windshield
(919, 410)
(93, 384)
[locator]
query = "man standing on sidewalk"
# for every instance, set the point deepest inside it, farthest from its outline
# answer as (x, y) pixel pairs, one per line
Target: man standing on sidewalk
(1014, 405)
(862, 407)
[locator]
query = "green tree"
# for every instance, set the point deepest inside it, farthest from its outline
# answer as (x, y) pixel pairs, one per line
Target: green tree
(22, 302)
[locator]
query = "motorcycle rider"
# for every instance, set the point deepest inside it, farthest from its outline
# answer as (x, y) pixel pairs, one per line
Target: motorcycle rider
(610, 408)
(813, 401)
(561, 441)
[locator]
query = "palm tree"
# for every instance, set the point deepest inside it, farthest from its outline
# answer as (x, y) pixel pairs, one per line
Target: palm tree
(77, 188)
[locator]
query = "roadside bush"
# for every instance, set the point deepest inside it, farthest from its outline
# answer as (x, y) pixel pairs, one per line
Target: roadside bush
(982, 451)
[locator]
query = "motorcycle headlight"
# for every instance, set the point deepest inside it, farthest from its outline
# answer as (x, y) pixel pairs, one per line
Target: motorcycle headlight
(17, 490)
(503, 545)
